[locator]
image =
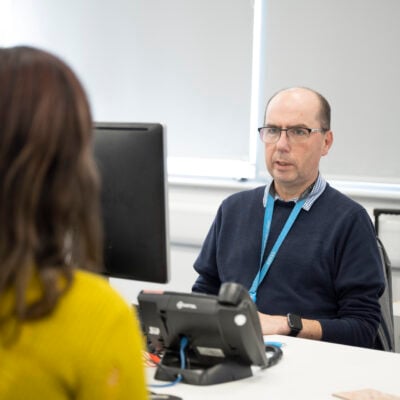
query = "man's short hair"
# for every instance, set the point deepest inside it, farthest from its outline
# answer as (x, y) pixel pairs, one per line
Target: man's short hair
(325, 109)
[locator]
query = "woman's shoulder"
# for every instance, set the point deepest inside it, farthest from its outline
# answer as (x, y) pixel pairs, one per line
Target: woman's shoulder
(93, 290)
(90, 279)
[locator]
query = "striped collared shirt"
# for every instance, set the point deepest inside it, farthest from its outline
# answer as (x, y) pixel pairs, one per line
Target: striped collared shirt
(316, 191)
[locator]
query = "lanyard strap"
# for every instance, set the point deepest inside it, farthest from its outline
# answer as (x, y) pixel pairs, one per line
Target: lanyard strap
(269, 209)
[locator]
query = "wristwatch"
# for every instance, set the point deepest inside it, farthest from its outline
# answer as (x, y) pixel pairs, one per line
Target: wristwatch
(295, 324)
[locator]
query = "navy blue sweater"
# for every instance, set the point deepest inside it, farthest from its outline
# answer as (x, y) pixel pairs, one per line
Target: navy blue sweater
(328, 267)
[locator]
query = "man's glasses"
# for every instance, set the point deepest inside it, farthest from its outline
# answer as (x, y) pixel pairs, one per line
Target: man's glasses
(271, 134)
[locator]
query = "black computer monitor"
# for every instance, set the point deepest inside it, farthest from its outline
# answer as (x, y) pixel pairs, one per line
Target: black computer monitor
(223, 333)
(131, 161)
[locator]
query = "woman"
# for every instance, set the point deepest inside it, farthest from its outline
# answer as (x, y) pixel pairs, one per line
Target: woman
(64, 332)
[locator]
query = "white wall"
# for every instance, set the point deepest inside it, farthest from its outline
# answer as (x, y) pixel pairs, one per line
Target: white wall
(184, 63)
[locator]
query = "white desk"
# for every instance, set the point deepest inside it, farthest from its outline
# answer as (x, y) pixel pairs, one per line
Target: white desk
(308, 370)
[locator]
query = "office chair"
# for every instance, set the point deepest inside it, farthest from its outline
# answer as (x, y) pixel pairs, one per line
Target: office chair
(385, 337)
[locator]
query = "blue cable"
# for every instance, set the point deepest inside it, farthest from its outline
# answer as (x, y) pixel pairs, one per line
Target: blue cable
(276, 344)
(183, 343)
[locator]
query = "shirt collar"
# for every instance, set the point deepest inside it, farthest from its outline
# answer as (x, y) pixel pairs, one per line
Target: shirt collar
(311, 197)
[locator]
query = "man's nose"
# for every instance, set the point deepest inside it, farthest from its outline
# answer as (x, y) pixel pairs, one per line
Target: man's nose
(283, 140)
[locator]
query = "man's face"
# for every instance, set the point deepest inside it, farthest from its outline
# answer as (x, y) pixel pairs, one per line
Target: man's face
(294, 166)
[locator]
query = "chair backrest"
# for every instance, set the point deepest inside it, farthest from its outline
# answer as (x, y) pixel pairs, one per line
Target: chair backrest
(385, 337)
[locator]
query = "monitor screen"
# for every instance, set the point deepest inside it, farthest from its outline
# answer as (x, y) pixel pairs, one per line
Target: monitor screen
(223, 334)
(131, 162)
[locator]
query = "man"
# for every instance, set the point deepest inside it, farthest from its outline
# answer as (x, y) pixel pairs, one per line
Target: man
(306, 252)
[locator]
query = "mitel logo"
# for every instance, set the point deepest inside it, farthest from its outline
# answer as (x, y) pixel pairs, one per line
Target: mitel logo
(180, 304)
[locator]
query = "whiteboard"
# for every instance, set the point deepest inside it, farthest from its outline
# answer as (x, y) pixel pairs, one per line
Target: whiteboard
(349, 50)
(183, 63)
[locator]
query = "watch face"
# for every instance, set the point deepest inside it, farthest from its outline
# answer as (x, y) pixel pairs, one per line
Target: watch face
(295, 324)
(295, 321)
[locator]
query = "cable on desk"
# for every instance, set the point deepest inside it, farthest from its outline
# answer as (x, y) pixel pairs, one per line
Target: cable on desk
(183, 344)
(274, 352)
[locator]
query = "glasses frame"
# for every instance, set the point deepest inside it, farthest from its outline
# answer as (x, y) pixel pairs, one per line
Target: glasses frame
(309, 130)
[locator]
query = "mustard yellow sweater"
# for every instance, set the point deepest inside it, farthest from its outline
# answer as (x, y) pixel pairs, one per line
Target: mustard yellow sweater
(89, 348)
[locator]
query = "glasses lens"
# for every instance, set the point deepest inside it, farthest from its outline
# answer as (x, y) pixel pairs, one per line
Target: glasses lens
(270, 134)
(298, 134)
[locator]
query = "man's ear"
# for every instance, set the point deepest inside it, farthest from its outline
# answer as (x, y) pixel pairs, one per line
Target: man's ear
(327, 143)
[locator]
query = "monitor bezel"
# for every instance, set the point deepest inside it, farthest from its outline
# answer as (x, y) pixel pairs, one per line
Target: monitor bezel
(158, 129)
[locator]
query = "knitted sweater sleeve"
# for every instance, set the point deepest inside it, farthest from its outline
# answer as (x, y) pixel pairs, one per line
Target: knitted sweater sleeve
(358, 281)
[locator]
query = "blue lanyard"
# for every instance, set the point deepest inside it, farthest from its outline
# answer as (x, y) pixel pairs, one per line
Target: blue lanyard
(269, 209)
